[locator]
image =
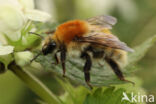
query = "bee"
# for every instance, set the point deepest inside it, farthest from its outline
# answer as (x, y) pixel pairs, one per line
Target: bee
(93, 39)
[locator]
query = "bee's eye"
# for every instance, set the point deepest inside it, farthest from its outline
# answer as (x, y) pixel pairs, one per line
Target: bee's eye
(49, 48)
(52, 44)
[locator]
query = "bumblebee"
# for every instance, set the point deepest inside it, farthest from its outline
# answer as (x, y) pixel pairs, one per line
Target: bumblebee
(92, 39)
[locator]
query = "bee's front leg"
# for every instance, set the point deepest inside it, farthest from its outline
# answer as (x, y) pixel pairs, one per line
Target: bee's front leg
(63, 58)
(87, 67)
(57, 61)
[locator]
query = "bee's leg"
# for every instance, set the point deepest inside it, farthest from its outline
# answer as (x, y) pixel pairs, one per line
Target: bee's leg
(87, 68)
(63, 58)
(116, 69)
(56, 59)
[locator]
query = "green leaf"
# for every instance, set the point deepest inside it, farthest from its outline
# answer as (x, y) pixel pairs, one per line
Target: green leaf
(107, 96)
(72, 95)
(100, 76)
(141, 50)
(33, 41)
(103, 95)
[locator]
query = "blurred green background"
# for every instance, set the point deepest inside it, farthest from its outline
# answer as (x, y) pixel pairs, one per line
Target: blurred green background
(136, 22)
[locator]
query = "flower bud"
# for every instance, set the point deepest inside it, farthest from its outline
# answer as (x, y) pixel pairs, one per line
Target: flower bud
(23, 58)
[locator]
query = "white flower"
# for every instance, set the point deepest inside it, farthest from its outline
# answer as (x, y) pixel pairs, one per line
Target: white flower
(15, 13)
(11, 19)
(37, 15)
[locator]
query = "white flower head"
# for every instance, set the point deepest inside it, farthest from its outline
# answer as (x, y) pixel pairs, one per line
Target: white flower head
(15, 13)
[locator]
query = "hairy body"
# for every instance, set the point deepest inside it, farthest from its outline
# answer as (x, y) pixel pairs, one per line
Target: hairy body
(92, 39)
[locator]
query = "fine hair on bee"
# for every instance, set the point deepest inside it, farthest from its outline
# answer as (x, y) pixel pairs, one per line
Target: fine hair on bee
(92, 39)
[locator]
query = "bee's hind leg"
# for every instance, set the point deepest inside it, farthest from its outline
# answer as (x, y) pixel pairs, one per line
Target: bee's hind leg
(87, 67)
(117, 70)
(63, 58)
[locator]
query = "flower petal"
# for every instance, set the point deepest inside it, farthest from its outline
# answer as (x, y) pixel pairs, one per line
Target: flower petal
(14, 3)
(5, 50)
(37, 15)
(11, 19)
(2, 40)
(27, 4)
(14, 36)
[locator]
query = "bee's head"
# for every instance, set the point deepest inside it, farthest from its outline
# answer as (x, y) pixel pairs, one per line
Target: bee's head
(49, 47)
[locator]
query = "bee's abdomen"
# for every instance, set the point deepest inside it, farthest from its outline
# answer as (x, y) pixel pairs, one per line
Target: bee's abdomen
(98, 54)
(119, 56)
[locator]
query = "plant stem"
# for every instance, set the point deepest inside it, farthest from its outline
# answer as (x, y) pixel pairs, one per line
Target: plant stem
(34, 84)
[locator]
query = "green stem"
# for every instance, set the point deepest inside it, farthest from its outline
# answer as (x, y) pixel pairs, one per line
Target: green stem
(35, 84)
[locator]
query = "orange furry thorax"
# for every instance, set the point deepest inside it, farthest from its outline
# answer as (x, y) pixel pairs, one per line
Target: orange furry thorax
(66, 32)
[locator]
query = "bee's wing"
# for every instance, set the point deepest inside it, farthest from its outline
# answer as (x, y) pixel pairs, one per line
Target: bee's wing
(106, 40)
(103, 20)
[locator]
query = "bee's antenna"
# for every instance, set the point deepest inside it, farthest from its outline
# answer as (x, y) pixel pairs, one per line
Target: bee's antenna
(35, 57)
(50, 32)
(36, 34)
